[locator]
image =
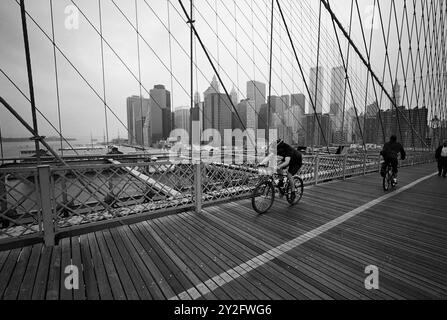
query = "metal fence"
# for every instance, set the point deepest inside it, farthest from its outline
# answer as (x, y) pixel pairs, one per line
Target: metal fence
(47, 201)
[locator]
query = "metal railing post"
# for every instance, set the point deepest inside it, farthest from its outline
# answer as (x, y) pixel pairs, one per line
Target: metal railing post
(345, 159)
(316, 168)
(198, 186)
(379, 167)
(365, 158)
(45, 201)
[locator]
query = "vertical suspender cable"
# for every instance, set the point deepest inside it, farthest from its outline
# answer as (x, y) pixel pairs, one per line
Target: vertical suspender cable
(57, 78)
(139, 77)
(316, 76)
(191, 43)
(269, 98)
(30, 79)
(103, 73)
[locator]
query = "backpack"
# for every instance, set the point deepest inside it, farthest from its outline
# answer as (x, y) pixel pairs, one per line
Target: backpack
(444, 152)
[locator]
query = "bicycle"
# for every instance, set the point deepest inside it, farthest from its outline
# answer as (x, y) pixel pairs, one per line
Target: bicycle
(388, 180)
(264, 194)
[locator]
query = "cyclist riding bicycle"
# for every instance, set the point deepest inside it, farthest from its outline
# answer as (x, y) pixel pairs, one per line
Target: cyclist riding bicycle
(390, 153)
(292, 159)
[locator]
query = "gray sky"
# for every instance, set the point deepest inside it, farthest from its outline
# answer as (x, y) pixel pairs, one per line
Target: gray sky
(82, 111)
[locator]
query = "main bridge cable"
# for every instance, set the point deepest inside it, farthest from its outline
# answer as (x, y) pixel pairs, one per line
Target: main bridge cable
(349, 86)
(189, 21)
(37, 109)
(30, 78)
(302, 73)
(368, 53)
(340, 26)
(324, 33)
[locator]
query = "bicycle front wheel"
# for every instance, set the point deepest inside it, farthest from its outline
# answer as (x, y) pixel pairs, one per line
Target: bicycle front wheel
(263, 197)
(299, 190)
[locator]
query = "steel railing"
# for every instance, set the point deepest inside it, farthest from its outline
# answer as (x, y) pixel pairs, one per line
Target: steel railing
(48, 201)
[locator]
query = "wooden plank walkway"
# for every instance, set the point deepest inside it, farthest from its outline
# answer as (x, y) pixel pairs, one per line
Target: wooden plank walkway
(229, 252)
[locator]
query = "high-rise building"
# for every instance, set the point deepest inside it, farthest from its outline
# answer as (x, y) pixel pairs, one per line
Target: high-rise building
(316, 89)
(182, 118)
(233, 96)
(256, 92)
(217, 113)
(299, 100)
(138, 112)
(161, 113)
(247, 114)
(213, 88)
(337, 95)
(396, 95)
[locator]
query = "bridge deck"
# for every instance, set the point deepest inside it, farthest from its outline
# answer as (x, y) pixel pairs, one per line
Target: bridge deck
(316, 250)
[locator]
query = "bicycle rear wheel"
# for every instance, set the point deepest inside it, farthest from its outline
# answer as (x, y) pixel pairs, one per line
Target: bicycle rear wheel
(263, 197)
(387, 181)
(299, 190)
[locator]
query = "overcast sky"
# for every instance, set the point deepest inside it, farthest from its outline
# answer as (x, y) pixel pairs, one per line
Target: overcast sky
(82, 111)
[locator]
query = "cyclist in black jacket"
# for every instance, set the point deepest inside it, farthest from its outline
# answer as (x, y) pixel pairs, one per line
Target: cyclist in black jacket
(390, 153)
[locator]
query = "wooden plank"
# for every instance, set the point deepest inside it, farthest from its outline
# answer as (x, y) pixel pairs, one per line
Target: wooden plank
(12, 291)
(3, 257)
(8, 269)
(218, 262)
(150, 282)
(213, 252)
(105, 291)
(77, 261)
(241, 250)
(123, 275)
(40, 285)
(26, 289)
(111, 272)
(134, 238)
(53, 287)
(134, 276)
(184, 275)
(170, 272)
(191, 259)
(65, 294)
(90, 281)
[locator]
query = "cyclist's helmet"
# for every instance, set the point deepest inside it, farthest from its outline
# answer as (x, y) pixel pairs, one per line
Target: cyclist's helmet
(393, 138)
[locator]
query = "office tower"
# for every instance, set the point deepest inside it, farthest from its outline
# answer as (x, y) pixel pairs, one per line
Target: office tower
(233, 96)
(256, 93)
(138, 112)
(213, 88)
(246, 111)
(182, 118)
(161, 113)
(396, 95)
(299, 100)
(217, 113)
(337, 96)
(316, 89)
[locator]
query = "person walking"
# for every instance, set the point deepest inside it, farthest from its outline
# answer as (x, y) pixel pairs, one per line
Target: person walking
(441, 157)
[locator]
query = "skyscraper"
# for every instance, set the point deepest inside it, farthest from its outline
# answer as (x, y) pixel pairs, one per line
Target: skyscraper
(138, 112)
(316, 89)
(299, 100)
(396, 95)
(337, 94)
(181, 117)
(161, 113)
(217, 113)
(256, 93)
(213, 88)
(233, 95)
